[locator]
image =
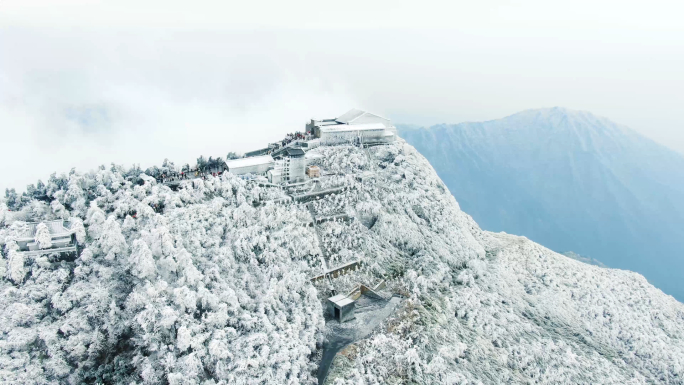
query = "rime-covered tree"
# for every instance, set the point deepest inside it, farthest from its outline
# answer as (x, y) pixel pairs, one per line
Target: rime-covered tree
(201, 163)
(43, 238)
(12, 199)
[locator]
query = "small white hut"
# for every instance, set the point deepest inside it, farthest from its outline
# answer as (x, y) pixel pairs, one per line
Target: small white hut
(341, 307)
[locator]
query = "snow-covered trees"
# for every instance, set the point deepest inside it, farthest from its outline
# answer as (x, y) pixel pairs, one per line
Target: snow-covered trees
(203, 285)
(485, 308)
(12, 200)
(142, 263)
(209, 288)
(43, 237)
(3, 212)
(15, 265)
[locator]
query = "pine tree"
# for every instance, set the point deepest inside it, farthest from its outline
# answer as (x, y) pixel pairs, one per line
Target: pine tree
(43, 237)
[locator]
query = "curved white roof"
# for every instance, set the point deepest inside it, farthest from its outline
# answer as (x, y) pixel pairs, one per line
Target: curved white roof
(251, 161)
(355, 116)
(350, 115)
(56, 229)
(354, 127)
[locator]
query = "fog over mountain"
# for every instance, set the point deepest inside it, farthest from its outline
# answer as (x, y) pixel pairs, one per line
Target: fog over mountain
(571, 181)
(85, 83)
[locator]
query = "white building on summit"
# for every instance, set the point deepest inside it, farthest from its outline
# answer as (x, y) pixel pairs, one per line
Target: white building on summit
(285, 163)
(368, 128)
(251, 165)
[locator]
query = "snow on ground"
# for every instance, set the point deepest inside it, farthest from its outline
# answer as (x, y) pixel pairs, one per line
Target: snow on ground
(210, 284)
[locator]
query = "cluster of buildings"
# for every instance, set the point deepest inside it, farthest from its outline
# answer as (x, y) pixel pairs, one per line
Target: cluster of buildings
(288, 167)
(285, 162)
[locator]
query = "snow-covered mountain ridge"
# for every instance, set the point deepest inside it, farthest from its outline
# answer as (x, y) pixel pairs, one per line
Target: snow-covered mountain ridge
(211, 284)
(571, 181)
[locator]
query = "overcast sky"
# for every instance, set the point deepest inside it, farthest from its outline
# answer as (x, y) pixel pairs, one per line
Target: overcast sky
(84, 83)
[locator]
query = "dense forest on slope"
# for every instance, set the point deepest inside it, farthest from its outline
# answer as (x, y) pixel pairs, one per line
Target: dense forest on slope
(210, 284)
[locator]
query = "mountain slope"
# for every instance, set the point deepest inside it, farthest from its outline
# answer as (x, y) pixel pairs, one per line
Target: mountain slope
(570, 181)
(210, 284)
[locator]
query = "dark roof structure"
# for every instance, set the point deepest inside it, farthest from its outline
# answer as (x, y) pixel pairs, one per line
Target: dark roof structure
(262, 151)
(293, 152)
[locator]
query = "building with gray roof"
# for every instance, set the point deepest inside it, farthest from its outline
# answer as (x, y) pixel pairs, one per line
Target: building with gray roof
(62, 239)
(354, 125)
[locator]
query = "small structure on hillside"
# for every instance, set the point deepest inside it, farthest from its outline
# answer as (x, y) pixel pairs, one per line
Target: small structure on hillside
(338, 270)
(341, 307)
(313, 171)
(356, 125)
(251, 165)
(275, 175)
(61, 239)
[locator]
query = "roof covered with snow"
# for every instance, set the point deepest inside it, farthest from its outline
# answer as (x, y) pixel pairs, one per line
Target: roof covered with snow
(355, 116)
(248, 162)
(56, 229)
(341, 300)
(353, 127)
(294, 152)
(350, 115)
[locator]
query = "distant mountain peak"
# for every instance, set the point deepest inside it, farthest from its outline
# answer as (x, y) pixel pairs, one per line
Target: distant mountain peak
(570, 180)
(562, 115)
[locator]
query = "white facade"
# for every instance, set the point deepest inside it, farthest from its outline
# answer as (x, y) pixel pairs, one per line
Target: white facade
(288, 170)
(275, 176)
(251, 165)
(297, 171)
(354, 125)
(341, 307)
